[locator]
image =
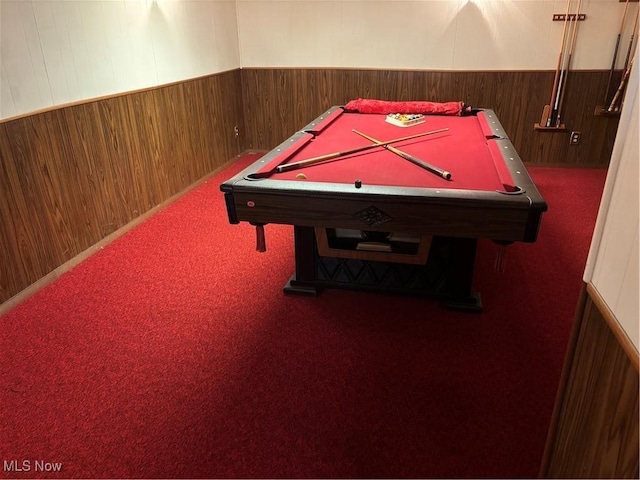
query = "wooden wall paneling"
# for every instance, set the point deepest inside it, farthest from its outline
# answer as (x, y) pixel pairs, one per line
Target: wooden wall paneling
(284, 111)
(67, 150)
(38, 180)
(220, 105)
(156, 156)
(145, 123)
(517, 97)
(485, 88)
(387, 83)
(74, 175)
(595, 427)
(228, 97)
(313, 89)
(15, 219)
(522, 108)
(407, 84)
(169, 126)
(134, 124)
(257, 93)
(326, 85)
(354, 84)
(99, 163)
(129, 188)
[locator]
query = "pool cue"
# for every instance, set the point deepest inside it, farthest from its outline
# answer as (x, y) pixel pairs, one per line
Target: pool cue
(573, 44)
(546, 116)
(427, 166)
(565, 51)
(615, 53)
(631, 39)
(622, 86)
(330, 156)
(627, 70)
(627, 64)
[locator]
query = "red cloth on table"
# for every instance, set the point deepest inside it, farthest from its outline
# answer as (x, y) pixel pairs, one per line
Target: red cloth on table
(365, 105)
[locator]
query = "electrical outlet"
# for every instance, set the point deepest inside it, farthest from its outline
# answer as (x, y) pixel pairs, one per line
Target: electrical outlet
(236, 130)
(574, 138)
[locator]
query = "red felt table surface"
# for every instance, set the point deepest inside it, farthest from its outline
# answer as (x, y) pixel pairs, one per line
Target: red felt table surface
(474, 161)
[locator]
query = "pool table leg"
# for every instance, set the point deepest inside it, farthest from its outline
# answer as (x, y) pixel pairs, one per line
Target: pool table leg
(460, 277)
(302, 282)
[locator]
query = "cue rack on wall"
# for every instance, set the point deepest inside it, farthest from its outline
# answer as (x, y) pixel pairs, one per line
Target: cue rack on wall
(615, 90)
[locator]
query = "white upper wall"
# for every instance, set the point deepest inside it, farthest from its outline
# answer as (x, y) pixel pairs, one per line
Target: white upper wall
(54, 52)
(427, 34)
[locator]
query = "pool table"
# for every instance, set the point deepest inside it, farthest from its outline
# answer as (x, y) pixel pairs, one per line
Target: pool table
(373, 220)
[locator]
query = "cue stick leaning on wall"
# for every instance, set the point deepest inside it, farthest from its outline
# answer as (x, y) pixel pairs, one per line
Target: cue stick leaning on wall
(571, 48)
(545, 121)
(633, 34)
(615, 53)
(622, 86)
(553, 119)
(433, 169)
(628, 63)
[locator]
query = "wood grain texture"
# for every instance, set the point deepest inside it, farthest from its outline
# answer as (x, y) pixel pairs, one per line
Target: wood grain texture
(328, 209)
(279, 101)
(72, 176)
(594, 433)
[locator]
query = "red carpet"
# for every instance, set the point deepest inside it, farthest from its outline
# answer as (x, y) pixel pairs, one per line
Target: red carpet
(173, 353)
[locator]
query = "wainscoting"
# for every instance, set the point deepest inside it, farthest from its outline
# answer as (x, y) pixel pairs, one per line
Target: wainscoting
(594, 430)
(279, 101)
(70, 177)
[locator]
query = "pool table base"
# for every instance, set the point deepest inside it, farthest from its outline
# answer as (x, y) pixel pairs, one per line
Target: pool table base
(446, 275)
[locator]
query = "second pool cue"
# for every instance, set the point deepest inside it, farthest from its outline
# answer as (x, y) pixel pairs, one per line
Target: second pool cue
(633, 35)
(623, 84)
(628, 63)
(615, 53)
(421, 163)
